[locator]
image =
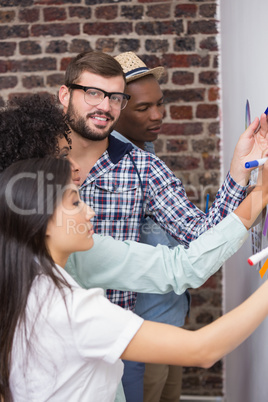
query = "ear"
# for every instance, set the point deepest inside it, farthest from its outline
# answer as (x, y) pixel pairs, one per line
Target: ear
(64, 96)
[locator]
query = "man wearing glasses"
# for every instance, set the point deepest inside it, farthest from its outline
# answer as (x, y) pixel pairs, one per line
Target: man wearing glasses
(124, 184)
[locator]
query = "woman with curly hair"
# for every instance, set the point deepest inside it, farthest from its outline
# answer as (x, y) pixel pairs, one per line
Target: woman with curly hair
(34, 126)
(30, 126)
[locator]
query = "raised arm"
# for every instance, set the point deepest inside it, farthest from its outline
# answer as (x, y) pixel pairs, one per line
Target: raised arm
(172, 209)
(164, 344)
(138, 267)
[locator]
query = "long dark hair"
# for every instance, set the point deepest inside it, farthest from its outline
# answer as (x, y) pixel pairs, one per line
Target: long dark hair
(29, 194)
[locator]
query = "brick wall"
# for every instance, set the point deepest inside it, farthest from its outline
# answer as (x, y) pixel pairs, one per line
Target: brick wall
(37, 40)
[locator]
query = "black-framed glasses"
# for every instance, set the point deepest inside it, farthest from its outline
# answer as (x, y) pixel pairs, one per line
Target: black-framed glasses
(94, 96)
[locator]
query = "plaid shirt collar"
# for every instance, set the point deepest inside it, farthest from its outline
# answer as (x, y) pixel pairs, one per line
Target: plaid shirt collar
(117, 149)
(113, 154)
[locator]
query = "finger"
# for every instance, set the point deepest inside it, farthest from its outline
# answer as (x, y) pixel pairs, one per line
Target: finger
(265, 153)
(251, 128)
(263, 125)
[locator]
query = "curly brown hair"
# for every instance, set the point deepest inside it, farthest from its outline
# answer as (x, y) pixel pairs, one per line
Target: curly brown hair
(30, 127)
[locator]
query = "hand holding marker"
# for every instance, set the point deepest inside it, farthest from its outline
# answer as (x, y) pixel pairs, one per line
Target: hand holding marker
(259, 126)
(254, 259)
(257, 162)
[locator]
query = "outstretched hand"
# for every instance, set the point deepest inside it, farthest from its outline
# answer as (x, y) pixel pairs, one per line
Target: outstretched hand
(250, 146)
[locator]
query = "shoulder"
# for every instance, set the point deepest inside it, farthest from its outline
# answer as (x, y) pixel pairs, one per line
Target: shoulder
(149, 161)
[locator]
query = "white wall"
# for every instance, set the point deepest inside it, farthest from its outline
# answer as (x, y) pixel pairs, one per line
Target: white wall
(244, 65)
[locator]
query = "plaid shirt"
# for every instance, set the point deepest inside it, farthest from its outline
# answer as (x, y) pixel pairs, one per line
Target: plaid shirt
(113, 190)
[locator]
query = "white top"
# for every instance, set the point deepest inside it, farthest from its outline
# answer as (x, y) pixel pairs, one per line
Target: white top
(72, 358)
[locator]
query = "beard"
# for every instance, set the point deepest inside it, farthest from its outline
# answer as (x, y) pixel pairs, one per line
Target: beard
(79, 125)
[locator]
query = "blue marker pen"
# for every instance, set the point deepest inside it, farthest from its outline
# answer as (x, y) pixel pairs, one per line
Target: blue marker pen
(256, 163)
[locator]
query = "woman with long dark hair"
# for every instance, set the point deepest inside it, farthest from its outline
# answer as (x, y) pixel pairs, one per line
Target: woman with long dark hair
(60, 342)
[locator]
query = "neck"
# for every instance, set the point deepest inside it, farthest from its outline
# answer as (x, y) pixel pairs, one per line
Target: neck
(86, 152)
(139, 144)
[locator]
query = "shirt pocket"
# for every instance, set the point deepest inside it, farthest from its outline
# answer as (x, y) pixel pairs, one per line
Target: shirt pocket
(115, 201)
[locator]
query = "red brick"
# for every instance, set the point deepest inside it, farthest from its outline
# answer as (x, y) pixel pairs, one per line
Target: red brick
(185, 10)
(29, 15)
(16, 3)
(8, 82)
(7, 16)
(211, 162)
(207, 111)
(207, 27)
(57, 46)
(159, 28)
(106, 45)
(185, 162)
(26, 65)
(177, 145)
(80, 12)
(54, 14)
(181, 112)
(55, 2)
(15, 31)
(106, 12)
(182, 129)
(115, 28)
(209, 77)
(55, 29)
(184, 44)
(183, 77)
(29, 47)
(64, 63)
(209, 43)
(128, 45)
(186, 95)
(132, 12)
(33, 81)
(214, 94)
(159, 11)
(208, 10)
(55, 80)
(203, 145)
(196, 60)
(154, 1)
(79, 45)
(157, 45)
(7, 48)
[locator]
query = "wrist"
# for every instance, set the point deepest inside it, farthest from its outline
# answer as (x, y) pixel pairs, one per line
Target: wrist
(240, 176)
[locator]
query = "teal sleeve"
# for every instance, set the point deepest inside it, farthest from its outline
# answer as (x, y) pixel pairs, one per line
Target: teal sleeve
(132, 266)
(120, 396)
